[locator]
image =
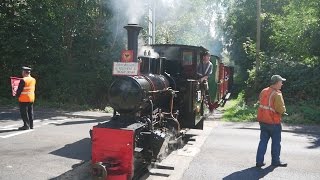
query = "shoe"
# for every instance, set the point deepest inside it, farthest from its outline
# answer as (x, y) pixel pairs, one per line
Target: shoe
(259, 165)
(21, 128)
(24, 128)
(280, 164)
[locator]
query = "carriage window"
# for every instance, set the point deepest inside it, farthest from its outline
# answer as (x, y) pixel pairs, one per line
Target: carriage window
(187, 58)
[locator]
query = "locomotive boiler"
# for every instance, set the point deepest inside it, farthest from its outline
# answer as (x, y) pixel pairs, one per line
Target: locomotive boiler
(152, 108)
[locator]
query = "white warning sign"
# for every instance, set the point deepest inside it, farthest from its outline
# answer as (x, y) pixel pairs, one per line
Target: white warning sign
(125, 68)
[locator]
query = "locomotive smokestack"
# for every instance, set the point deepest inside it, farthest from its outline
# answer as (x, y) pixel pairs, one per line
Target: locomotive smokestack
(133, 33)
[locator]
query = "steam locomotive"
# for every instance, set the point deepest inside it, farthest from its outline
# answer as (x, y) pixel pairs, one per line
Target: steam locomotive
(154, 107)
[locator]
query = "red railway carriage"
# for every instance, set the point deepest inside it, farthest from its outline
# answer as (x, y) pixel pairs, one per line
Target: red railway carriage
(225, 80)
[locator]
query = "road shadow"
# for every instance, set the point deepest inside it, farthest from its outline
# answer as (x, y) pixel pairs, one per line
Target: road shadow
(9, 130)
(80, 150)
(312, 133)
(47, 114)
(315, 140)
(12, 114)
(89, 120)
(150, 174)
(251, 173)
(80, 171)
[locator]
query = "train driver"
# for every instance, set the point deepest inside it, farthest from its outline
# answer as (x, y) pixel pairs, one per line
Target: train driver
(204, 69)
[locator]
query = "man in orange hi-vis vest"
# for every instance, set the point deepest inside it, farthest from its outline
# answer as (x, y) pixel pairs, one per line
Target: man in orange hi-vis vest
(26, 95)
(271, 108)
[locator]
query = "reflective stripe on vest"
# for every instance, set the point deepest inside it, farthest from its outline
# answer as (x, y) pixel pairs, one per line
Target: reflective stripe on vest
(267, 108)
(266, 111)
(269, 102)
(26, 92)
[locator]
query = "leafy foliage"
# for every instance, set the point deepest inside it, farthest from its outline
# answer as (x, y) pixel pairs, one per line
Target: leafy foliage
(289, 46)
(70, 44)
(65, 42)
(237, 110)
(191, 22)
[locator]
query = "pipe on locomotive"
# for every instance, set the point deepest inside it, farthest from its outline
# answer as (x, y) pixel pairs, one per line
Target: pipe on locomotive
(171, 108)
(133, 33)
(151, 118)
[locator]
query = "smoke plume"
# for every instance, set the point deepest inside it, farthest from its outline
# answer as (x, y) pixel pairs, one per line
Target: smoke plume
(177, 21)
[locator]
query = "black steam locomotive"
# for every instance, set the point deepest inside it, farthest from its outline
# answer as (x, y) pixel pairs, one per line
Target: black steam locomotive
(154, 107)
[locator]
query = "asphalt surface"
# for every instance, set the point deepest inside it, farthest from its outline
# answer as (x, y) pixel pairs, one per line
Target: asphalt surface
(229, 153)
(59, 148)
(59, 142)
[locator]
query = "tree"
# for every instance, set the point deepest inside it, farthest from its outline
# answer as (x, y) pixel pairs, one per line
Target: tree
(191, 22)
(288, 44)
(66, 43)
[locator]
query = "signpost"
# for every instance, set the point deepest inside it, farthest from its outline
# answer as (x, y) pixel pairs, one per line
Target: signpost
(125, 68)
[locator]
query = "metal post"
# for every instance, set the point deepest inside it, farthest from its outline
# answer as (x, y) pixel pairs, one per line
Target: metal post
(258, 35)
(151, 22)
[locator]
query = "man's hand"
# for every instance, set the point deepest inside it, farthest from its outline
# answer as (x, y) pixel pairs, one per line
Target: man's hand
(204, 78)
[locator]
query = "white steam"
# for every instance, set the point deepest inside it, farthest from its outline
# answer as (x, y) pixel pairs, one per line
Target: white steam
(199, 19)
(131, 10)
(148, 51)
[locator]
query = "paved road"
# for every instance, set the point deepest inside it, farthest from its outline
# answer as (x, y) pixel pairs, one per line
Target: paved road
(59, 148)
(229, 153)
(59, 143)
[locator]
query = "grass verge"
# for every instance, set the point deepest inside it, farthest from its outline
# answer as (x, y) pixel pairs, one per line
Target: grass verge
(304, 112)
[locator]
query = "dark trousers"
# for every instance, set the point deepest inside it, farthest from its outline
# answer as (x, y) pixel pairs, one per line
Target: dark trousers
(268, 131)
(26, 112)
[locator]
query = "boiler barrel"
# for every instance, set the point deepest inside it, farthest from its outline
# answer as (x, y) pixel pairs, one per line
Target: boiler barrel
(129, 93)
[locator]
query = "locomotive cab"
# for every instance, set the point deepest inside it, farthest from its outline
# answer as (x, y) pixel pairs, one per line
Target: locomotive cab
(181, 63)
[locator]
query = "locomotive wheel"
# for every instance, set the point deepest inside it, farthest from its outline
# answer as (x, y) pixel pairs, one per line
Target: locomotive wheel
(99, 172)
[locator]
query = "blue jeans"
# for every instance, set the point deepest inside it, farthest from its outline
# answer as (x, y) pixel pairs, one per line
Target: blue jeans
(268, 131)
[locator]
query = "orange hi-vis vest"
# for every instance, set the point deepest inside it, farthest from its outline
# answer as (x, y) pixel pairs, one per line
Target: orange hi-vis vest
(27, 94)
(266, 111)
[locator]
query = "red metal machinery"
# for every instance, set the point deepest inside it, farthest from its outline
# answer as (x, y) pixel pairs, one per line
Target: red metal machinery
(112, 153)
